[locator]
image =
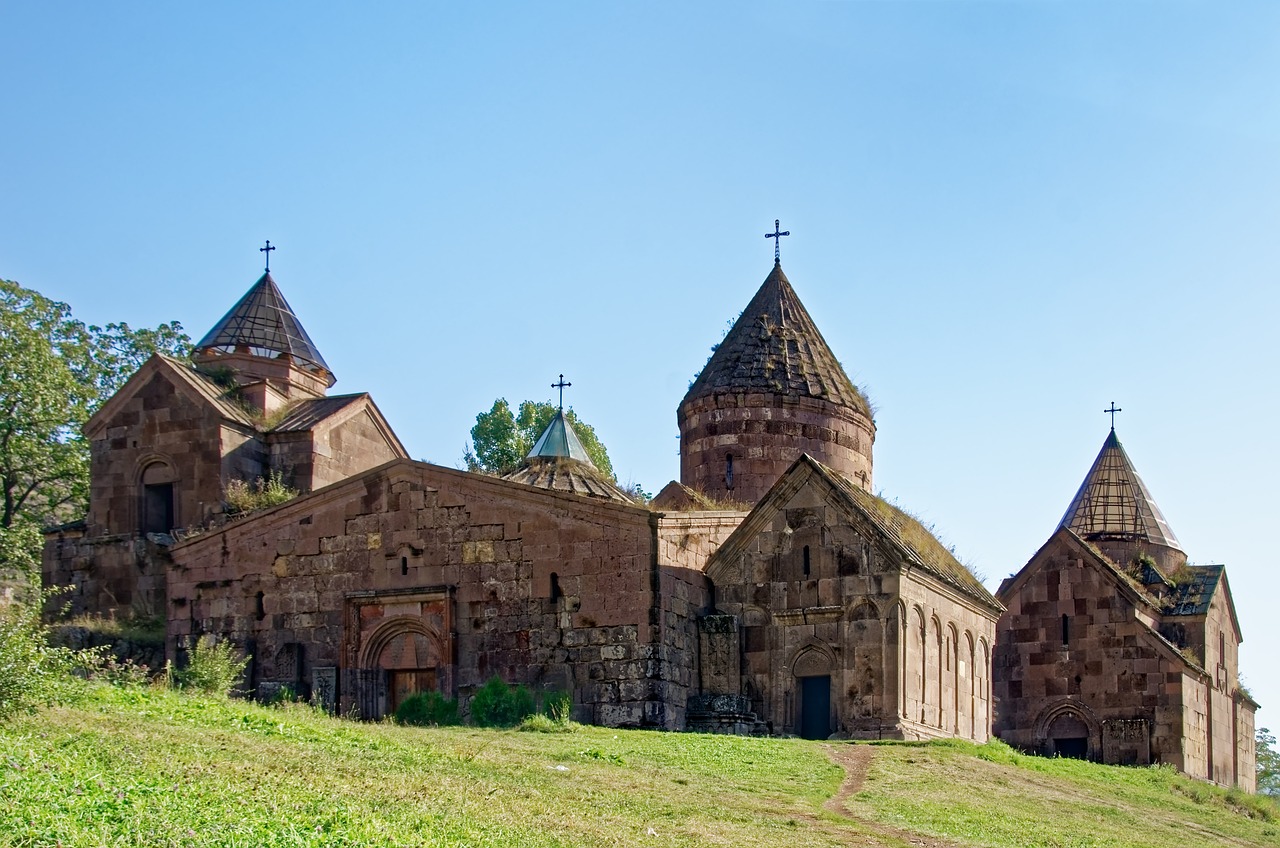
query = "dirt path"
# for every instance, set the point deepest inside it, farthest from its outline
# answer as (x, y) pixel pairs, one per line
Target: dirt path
(855, 760)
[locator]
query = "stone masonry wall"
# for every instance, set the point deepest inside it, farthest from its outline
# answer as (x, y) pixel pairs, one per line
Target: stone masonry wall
(819, 593)
(765, 434)
(550, 590)
(1110, 667)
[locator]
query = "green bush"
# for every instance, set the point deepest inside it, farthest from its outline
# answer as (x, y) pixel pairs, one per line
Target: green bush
(496, 704)
(427, 709)
(34, 673)
(213, 667)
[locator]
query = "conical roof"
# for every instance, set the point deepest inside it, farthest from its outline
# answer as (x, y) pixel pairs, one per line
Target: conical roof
(559, 440)
(264, 322)
(559, 462)
(1113, 502)
(775, 347)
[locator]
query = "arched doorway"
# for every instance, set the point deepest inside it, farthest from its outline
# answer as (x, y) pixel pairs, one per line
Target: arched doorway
(157, 509)
(812, 670)
(1069, 736)
(407, 657)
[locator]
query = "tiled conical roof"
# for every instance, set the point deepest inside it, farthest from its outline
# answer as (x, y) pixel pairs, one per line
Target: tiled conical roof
(1113, 502)
(264, 322)
(775, 347)
(559, 462)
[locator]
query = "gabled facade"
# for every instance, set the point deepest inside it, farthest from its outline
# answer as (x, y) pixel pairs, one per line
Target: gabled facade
(1114, 649)
(838, 613)
(165, 447)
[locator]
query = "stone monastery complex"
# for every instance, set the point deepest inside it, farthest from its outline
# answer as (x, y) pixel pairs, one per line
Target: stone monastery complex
(768, 591)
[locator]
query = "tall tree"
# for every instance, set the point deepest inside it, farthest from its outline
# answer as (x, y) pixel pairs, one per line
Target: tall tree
(54, 372)
(501, 440)
(1268, 762)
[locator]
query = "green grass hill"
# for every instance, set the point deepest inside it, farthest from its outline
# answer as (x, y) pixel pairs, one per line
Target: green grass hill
(147, 766)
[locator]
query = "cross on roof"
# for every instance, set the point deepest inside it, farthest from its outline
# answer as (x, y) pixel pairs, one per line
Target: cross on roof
(267, 250)
(562, 385)
(1113, 410)
(776, 235)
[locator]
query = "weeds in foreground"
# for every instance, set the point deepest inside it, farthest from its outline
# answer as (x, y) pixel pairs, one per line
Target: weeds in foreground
(213, 667)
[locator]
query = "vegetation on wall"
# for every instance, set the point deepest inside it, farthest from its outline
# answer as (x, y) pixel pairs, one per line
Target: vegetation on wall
(241, 497)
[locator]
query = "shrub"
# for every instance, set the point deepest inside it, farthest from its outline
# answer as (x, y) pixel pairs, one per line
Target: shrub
(496, 704)
(34, 673)
(242, 497)
(427, 709)
(212, 667)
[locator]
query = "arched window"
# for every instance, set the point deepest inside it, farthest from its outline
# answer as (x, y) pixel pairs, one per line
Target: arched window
(1066, 630)
(806, 560)
(728, 471)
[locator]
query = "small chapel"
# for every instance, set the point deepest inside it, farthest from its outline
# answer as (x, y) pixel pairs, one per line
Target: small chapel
(767, 591)
(1114, 648)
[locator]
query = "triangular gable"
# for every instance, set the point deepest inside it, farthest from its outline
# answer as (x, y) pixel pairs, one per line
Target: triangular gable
(1122, 582)
(184, 378)
(319, 415)
(895, 528)
(1089, 554)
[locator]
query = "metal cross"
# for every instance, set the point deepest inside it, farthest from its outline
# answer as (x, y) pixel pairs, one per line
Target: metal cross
(1113, 410)
(777, 241)
(562, 385)
(267, 250)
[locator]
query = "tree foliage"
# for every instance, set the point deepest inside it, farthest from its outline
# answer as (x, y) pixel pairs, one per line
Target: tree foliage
(54, 373)
(1268, 762)
(501, 439)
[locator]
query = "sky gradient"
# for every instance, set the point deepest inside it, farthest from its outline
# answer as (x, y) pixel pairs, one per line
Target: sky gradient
(1004, 216)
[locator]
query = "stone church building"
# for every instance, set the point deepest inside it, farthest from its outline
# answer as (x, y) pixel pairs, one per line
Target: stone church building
(1114, 649)
(766, 591)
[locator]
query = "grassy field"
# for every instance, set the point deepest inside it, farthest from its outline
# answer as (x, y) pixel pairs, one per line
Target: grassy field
(142, 766)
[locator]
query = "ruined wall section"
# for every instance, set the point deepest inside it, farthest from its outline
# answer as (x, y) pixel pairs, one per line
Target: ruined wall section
(546, 589)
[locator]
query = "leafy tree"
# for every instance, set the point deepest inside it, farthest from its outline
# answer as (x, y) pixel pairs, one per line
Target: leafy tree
(1268, 760)
(54, 372)
(502, 439)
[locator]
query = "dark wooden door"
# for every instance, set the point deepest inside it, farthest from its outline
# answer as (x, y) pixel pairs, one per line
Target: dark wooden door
(815, 707)
(406, 683)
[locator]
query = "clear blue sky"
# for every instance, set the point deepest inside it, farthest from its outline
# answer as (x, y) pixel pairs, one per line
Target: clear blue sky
(1004, 216)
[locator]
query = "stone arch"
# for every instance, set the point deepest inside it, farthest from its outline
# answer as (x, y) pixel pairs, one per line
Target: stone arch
(862, 609)
(812, 667)
(407, 656)
(934, 644)
(1068, 728)
(969, 680)
(868, 661)
(982, 670)
(951, 667)
(897, 626)
(918, 659)
(157, 488)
